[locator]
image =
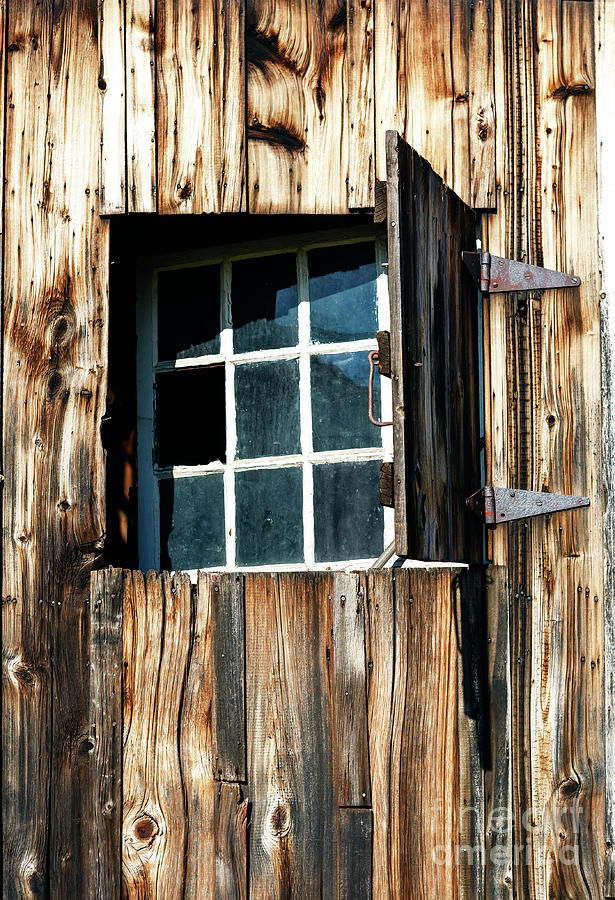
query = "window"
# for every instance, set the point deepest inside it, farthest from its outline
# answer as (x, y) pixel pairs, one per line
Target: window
(255, 447)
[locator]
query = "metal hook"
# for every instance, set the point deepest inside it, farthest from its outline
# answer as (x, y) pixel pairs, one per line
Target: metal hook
(373, 361)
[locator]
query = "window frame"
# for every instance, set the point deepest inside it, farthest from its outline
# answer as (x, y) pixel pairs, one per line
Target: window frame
(150, 474)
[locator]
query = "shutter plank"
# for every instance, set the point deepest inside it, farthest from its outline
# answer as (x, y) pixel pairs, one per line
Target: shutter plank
(434, 361)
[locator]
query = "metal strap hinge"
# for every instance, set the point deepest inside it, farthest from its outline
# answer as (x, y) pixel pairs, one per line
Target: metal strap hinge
(497, 275)
(494, 505)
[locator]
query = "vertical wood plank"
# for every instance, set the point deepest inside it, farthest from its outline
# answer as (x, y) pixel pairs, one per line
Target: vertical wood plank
(472, 714)
(355, 866)
(380, 654)
(498, 777)
(604, 30)
(548, 397)
(196, 749)
(54, 388)
(200, 107)
(297, 106)
(361, 107)
(112, 88)
(481, 121)
(351, 750)
(414, 81)
(141, 105)
(228, 667)
(102, 874)
(413, 718)
(157, 643)
(293, 847)
(231, 825)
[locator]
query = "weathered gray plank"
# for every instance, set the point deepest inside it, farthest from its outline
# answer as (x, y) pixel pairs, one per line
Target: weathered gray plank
(111, 85)
(351, 750)
(228, 667)
(355, 866)
(289, 662)
(231, 824)
(103, 869)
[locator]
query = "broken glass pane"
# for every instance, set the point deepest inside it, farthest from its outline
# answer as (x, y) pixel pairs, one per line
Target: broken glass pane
(188, 312)
(190, 418)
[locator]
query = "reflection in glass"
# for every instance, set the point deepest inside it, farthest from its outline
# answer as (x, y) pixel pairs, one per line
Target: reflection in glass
(339, 402)
(269, 516)
(343, 300)
(350, 519)
(264, 303)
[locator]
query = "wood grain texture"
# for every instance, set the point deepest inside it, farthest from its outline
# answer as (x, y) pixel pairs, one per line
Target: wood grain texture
(231, 824)
(200, 116)
(434, 85)
(413, 720)
(54, 387)
(356, 843)
(294, 823)
(434, 341)
(165, 689)
(102, 872)
(545, 405)
(112, 88)
(498, 776)
(141, 105)
(228, 667)
(297, 105)
(604, 31)
(351, 750)
(361, 106)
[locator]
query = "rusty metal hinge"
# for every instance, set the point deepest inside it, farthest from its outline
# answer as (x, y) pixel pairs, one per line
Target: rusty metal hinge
(494, 505)
(496, 275)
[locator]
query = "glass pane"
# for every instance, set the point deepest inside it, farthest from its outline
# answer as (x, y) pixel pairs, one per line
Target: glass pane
(348, 514)
(190, 418)
(267, 402)
(264, 303)
(192, 522)
(188, 312)
(269, 506)
(339, 402)
(343, 302)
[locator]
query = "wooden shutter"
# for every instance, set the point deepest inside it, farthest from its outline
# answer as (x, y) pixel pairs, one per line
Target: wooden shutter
(434, 362)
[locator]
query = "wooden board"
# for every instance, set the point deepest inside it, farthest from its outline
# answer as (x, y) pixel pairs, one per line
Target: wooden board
(361, 106)
(355, 866)
(544, 412)
(112, 88)
(434, 85)
(200, 116)
(434, 362)
(231, 825)
(228, 667)
(289, 662)
(297, 105)
(141, 105)
(604, 22)
(54, 389)
(413, 717)
(102, 873)
(351, 750)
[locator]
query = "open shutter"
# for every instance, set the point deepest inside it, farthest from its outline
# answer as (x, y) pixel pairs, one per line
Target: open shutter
(434, 362)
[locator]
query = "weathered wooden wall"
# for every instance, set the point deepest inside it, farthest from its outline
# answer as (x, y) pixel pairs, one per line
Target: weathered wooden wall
(338, 763)
(137, 106)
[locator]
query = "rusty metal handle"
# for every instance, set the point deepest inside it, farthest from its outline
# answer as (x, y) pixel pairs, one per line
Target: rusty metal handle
(373, 362)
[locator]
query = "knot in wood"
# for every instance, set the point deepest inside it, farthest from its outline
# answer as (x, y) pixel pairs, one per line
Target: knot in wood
(280, 819)
(144, 830)
(569, 787)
